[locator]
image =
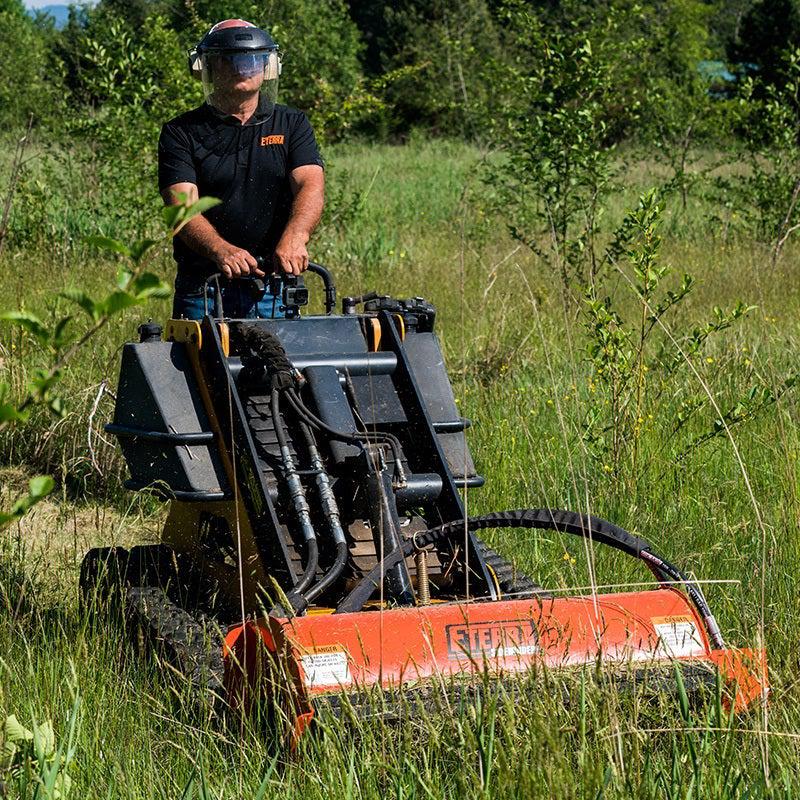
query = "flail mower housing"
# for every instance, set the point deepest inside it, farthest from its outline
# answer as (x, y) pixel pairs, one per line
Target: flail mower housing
(316, 550)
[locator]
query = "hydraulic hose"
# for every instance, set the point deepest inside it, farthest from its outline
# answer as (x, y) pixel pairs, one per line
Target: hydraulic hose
(583, 525)
(298, 496)
(330, 287)
(356, 437)
(331, 511)
(265, 346)
(325, 582)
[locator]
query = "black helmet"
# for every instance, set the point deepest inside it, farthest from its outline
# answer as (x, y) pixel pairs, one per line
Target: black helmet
(235, 53)
(235, 35)
(230, 36)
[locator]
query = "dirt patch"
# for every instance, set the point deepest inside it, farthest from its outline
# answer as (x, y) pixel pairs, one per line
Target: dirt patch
(53, 537)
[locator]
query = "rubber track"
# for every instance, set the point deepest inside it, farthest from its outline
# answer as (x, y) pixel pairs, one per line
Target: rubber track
(509, 578)
(192, 644)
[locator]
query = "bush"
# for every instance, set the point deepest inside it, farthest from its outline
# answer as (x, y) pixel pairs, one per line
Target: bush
(30, 76)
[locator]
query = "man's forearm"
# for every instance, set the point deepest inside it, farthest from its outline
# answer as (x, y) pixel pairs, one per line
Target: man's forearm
(202, 237)
(231, 260)
(306, 212)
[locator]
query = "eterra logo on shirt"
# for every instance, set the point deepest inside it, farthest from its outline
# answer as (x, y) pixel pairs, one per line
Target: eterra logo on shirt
(268, 140)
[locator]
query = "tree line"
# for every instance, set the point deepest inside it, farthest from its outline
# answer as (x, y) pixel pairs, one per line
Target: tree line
(378, 69)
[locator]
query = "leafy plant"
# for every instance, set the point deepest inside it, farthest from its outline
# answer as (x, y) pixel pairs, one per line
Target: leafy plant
(38, 488)
(557, 171)
(765, 197)
(134, 286)
(34, 765)
(631, 356)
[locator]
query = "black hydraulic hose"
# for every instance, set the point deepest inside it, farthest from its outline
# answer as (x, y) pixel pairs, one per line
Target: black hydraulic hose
(330, 287)
(692, 589)
(298, 496)
(325, 582)
(583, 525)
(331, 512)
(265, 346)
(355, 437)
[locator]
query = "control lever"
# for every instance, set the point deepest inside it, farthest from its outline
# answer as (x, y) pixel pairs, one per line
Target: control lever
(291, 288)
(294, 292)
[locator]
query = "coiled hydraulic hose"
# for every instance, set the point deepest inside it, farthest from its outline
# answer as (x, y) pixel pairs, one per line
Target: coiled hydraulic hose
(583, 525)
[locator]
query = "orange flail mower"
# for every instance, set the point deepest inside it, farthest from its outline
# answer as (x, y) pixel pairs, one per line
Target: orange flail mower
(316, 550)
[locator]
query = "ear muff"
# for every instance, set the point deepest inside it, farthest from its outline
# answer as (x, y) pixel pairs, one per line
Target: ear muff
(273, 67)
(195, 64)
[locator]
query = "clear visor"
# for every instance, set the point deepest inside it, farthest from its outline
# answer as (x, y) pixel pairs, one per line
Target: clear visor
(227, 76)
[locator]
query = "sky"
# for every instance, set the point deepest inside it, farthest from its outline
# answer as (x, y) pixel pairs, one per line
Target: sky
(34, 4)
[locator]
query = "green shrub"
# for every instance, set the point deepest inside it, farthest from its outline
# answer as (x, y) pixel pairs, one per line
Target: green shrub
(30, 75)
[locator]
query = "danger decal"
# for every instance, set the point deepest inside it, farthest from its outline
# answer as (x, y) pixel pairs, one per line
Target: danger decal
(678, 636)
(326, 668)
(498, 639)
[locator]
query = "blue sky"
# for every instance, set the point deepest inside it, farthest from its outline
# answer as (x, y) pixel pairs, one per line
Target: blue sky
(32, 4)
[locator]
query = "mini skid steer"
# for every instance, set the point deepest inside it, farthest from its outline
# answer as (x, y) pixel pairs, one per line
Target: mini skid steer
(316, 550)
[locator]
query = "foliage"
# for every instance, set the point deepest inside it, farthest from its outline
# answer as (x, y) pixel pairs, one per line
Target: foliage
(30, 81)
(129, 82)
(632, 356)
(445, 46)
(767, 31)
(33, 763)
(134, 286)
(681, 115)
(765, 196)
(557, 174)
(38, 488)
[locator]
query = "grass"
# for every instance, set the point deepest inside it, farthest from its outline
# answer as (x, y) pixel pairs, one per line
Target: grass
(407, 221)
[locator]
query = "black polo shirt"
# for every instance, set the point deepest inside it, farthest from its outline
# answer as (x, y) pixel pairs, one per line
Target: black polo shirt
(246, 166)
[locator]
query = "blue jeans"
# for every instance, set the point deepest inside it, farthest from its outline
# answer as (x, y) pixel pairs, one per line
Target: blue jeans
(240, 300)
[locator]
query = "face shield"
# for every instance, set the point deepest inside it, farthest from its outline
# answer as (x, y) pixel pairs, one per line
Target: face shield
(227, 75)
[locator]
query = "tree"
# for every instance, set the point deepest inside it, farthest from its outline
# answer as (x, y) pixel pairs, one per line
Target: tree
(445, 47)
(768, 30)
(558, 138)
(30, 77)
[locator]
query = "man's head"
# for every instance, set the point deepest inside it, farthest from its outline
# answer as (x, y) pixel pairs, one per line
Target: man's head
(235, 59)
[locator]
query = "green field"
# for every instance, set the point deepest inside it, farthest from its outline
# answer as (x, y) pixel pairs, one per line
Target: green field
(722, 504)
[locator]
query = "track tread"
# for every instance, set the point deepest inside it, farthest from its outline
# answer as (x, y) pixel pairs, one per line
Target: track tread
(511, 580)
(191, 643)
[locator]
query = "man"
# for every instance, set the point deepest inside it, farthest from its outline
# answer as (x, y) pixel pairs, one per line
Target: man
(259, 158)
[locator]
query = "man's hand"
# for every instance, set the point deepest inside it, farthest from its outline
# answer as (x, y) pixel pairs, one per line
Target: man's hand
(291, 255)
(234, 261)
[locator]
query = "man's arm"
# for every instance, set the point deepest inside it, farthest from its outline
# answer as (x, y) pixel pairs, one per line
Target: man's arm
(203, 238)
(308, 188)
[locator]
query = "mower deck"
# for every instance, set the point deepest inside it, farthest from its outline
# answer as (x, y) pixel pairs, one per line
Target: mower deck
(453, 644)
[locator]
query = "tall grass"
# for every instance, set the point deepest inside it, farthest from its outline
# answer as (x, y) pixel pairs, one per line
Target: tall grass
(408, 221)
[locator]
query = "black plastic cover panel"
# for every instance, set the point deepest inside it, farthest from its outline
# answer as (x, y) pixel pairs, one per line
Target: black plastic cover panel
(427, 363)
(158, 393)
(319, 335)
